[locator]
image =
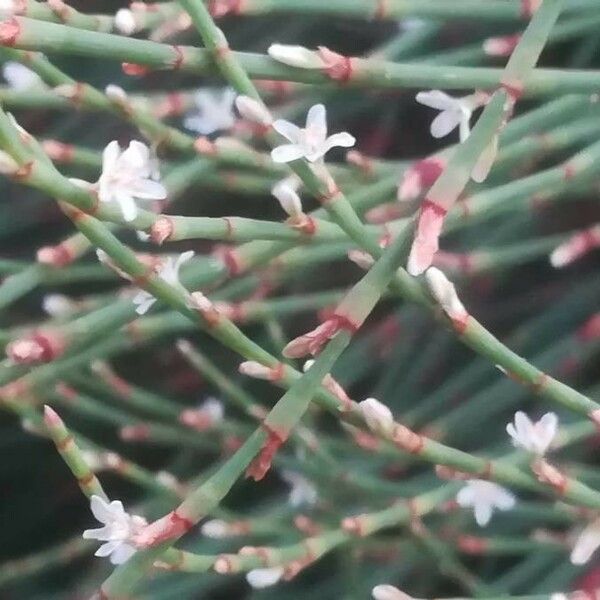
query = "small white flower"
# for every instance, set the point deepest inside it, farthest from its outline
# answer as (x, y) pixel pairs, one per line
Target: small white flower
(254, 111)
(125, 21)
(168, 273)
(118, 532)
(587, 543)
(128, 175)
(216, 529)
(18, 76)
(214, 111)
(389, 592)
(286, 192)
(533, 437)
(454, 112)
(302, 491)
(378, 416)
(262, 578)
(296, 56)
(311, 142)
(484, 497)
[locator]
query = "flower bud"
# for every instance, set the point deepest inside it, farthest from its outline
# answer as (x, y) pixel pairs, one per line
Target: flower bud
(296, 56)
(217, 529)
(288, 198)
(116, 94)
(262, 578)
(125, 21)
(254, 369)
(445, 294)
(253, 110)
(377, 415)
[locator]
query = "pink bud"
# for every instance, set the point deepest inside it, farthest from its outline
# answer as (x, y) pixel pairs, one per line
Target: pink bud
(419, 177)
(501, 46)
(377, 415)
(311, 342)
(575, 247)
(425, 244)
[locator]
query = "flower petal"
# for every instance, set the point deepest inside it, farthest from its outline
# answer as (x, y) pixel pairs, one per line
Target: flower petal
(436, 99)
(127, 206)
(546, 429)
(199, 124)
(110, 155)
(444, 123)
(316, 122)
(483, 513)
(465, 496)
(101, 509)
(288, 130)
(122, 553)
(342, 139)
(107, 549)
(287, 153)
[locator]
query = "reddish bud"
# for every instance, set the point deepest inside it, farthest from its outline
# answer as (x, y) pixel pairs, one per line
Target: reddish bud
(55, 256)
(134, 69)
(262, 463)
(39, 347)
(420, 177)
(337, 66)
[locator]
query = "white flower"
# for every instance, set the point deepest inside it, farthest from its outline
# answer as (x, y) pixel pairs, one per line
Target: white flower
(302, 491)
(118, 532)
(484, 496)
(127, 175)
(378, 416)
(18, 76)
(286, 192)
(262, 578)
(311, 142)
(389, 592)
(587, 543)
(454, 112)
(168, 273)
(214, 111)
(533, 437)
